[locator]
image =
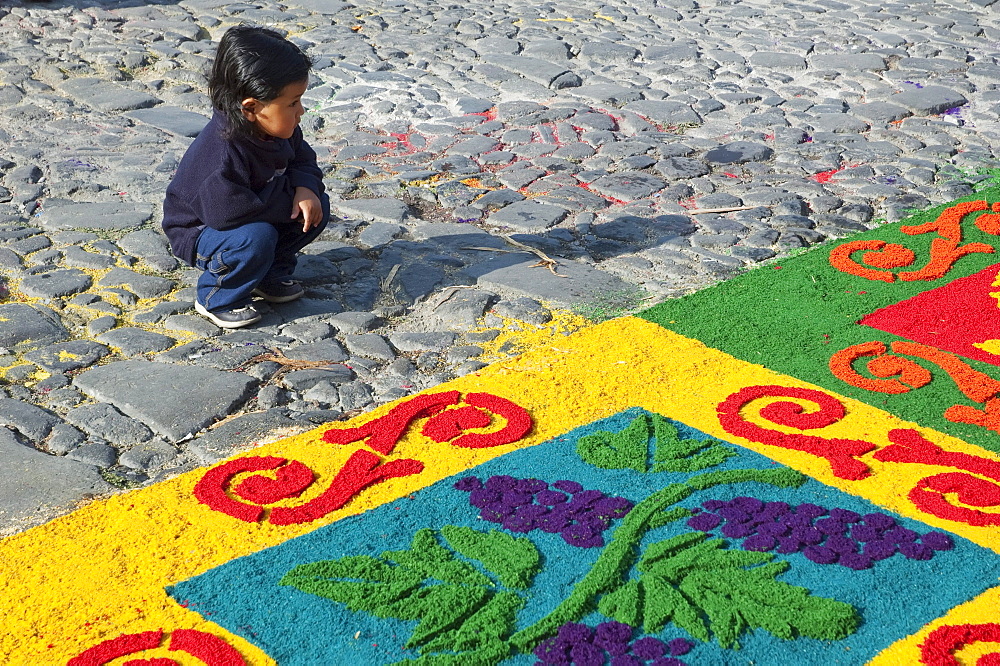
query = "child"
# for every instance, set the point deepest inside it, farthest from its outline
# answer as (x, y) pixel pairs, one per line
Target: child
(248, 194)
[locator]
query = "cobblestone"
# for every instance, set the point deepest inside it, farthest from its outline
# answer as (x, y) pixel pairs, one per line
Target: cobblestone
(587, 132)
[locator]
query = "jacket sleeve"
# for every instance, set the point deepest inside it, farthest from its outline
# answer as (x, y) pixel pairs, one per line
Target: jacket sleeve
(303, 171)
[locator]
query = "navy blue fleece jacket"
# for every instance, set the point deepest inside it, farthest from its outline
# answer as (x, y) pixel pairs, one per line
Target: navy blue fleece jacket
(223, 183)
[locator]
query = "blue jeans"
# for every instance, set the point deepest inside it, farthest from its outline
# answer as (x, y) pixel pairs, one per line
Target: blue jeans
(238, 260)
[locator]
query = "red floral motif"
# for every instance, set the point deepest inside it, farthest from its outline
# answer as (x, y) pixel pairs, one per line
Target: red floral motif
(930, 495)
(113, 648)
(209, 648)
(211, 488)
(841, 453)
(518, 423)
(363, 468)
(383, 433)
(449, 424)
(288, 481)
(940, 645)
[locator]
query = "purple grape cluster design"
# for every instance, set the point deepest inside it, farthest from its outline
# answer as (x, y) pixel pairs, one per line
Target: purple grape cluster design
(580, 645)
(825, 536)
(579, 516)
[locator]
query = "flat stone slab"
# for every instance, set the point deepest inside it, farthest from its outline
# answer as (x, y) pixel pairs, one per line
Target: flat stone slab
(355, 92)
(104, 421)
(628, 185)
(527, 216)
(369, 345)
(415, 341)
(573, 198)
(928, 100)
(454, 235)
(384, 209)
(143, 286)
(173, 400)
(322, 351)
(171, 119)
(189, 323)
(77, 257)
(105, 96)
(66, 356)
(515, 273)
(244, 431)
(145, 243)
(607, 93)
(665, 112)
(881, 112)
(550, 75)
(148, 455)
(132, 341)
(108, 215)
(30, 420)
(37, 485)
(55, 284)
(774, 60)
(23, 326)
(849, 62)
(739, 152)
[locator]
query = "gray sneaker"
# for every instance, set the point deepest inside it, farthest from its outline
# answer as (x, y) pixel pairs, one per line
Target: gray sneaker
(236, 318)
(280, 292)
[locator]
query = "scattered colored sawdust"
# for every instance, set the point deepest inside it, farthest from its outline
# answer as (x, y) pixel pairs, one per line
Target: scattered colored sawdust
(517, 336)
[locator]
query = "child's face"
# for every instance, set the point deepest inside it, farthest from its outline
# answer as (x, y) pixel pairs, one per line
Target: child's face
(280, 116)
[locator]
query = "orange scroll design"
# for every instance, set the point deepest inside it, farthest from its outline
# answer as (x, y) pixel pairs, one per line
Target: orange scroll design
(880, 257)
(906, 375)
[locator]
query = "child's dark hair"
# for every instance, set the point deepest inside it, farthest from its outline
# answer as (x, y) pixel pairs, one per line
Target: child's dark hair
(252, 62)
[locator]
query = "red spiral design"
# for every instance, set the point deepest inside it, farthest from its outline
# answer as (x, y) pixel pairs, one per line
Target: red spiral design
(448, 425)
(211, 488)
(841, 453)
(940, 645)
(211, 649)
(931, 494)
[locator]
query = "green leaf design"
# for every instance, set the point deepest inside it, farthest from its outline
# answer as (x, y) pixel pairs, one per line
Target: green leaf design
(611, 570)
(514, 560)
(665, 603)
(627, 449)
(428, 558)
(673, 454)
(444, 607)
(624, 604)
(482, 628)
(667, 516)
(687, 579)
(376, 585)
(460, 611)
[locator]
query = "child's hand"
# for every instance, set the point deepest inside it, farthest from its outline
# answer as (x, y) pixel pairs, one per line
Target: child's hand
(306, 204)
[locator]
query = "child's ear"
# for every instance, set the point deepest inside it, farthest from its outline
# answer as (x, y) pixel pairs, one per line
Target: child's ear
(250, 106)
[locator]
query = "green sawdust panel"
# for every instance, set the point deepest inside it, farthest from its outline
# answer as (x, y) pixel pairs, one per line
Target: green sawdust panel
(793, 315)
